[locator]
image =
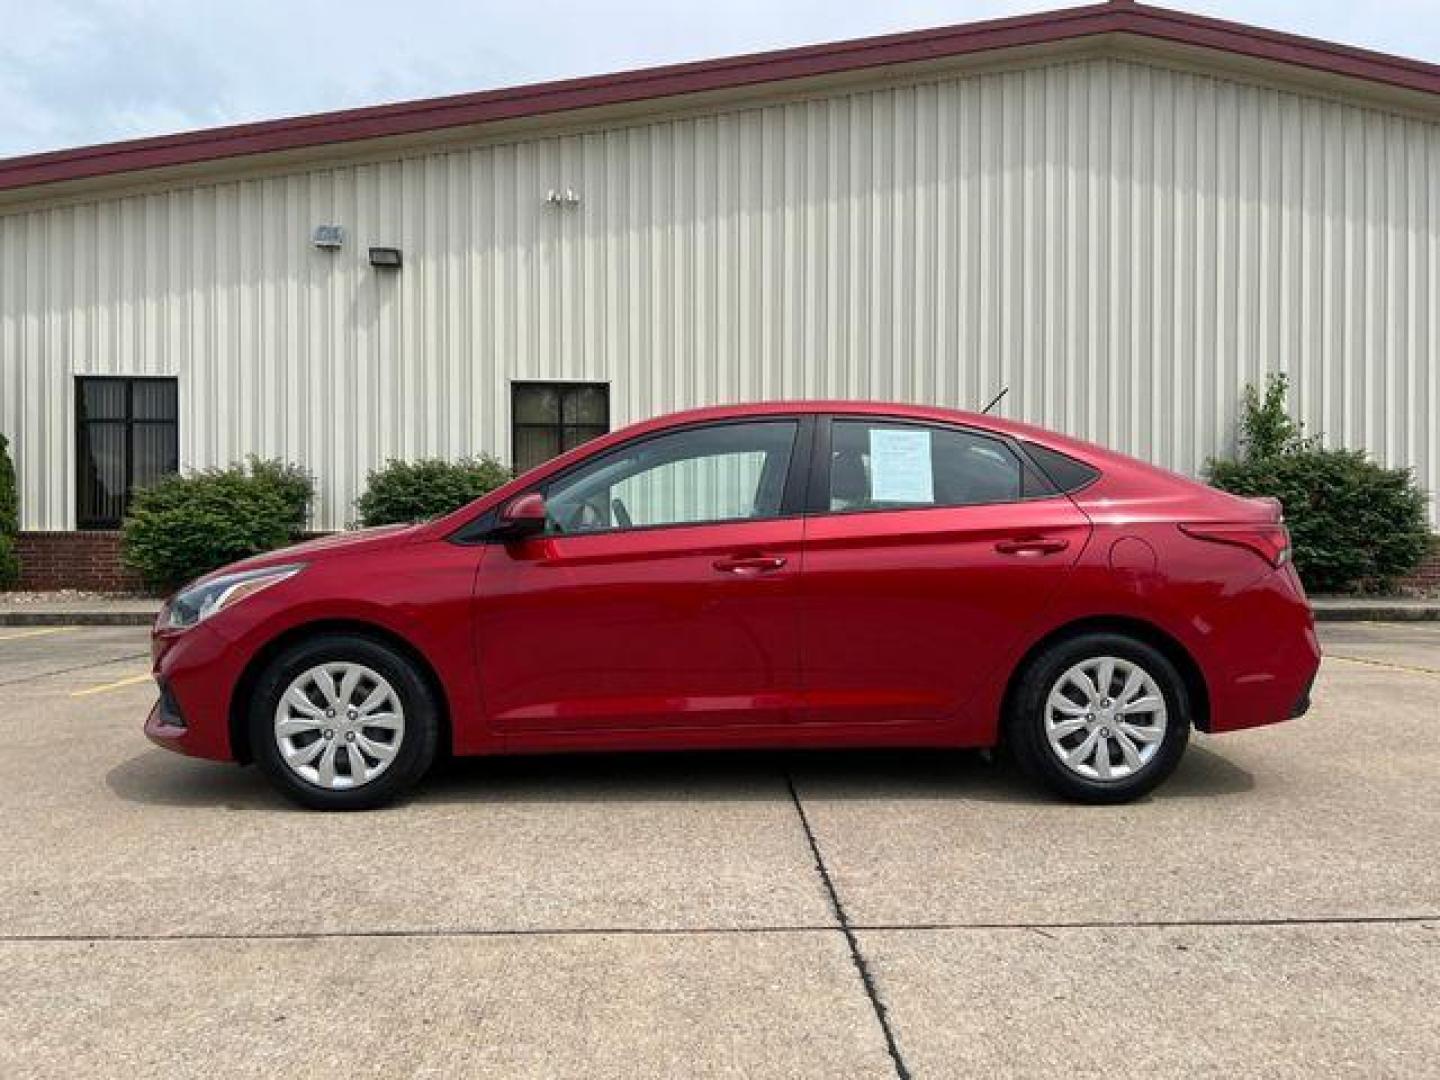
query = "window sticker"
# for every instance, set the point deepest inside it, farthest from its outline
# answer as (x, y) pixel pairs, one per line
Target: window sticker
(900, 468)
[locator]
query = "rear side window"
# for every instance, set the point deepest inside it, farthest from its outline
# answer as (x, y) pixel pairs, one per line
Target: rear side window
(882, 465)
(1064, 472)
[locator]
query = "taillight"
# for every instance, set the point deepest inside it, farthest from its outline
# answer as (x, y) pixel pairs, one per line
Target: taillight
(1270, 541)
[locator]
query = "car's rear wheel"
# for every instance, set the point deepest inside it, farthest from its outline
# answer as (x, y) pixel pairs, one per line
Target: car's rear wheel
(1100, 718)
(341, 722)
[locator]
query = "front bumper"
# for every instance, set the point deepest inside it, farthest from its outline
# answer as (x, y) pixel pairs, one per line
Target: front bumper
(195, 670)
(166, 725)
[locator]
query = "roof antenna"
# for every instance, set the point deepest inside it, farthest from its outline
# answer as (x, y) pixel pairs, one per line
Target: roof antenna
(994, 401)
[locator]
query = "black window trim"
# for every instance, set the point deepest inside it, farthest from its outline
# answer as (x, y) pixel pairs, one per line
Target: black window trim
(1073, 489)
(85, 524)
(792, 499)
(807, 484)
(559, 426)
(818, 497)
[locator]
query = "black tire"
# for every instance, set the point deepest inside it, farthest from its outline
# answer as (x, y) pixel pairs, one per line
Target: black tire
(417, 743)
(1026, 731)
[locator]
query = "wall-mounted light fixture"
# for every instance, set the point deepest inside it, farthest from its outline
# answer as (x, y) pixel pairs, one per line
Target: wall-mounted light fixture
(328, 237)
(568, 197)
(385, 258)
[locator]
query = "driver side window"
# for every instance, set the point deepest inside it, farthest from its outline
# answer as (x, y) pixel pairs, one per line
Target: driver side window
(727, 472)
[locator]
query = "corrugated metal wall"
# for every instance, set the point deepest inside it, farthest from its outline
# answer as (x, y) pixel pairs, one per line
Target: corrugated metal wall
(1123, 245)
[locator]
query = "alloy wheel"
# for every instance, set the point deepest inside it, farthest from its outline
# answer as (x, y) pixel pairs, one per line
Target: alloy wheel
(1105, 718)
(339, 725)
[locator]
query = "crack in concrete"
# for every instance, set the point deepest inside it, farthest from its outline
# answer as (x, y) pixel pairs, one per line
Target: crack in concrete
(902, 1071)
(78, 667)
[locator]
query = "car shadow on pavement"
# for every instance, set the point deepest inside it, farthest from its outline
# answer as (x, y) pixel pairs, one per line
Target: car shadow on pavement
(163, 779)
(160, 778)
(724, 775)
(1204, 773)
(972, 775)
(742, 775)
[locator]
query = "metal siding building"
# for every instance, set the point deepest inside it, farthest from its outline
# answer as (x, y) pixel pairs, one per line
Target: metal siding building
(1124, 231)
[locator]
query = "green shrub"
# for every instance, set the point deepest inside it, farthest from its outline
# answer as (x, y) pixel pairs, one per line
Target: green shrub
(291, 484)
(1353, 523)
(185, 526)
(1266, 427)
(418, 490)
(9, 519)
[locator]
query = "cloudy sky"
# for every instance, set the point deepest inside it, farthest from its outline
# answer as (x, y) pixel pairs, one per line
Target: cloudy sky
(74, 72)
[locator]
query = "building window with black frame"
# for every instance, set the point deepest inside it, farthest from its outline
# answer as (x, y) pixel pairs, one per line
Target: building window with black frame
(127, 436)
(549, 418)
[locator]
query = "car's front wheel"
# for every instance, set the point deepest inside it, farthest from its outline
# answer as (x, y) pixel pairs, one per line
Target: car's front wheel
(1100, 718)
(341, 722)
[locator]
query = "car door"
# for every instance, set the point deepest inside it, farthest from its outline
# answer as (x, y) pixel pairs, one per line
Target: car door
(928, 551)
(662, 592)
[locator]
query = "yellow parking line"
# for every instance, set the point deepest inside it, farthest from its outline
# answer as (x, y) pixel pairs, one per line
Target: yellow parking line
(35, 633)
(131, 681)
(1383, 664)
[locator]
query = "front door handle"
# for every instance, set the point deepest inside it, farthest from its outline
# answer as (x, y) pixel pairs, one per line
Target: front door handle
(749, 564)
(1032, 545)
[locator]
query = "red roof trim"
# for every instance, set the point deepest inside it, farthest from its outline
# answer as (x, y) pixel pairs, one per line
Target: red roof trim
(435, 114)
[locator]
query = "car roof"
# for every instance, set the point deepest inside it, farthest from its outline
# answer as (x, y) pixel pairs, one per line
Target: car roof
(896, 409)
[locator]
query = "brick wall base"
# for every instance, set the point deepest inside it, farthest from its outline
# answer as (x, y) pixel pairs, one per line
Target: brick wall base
(89, 561)
(1426, 578)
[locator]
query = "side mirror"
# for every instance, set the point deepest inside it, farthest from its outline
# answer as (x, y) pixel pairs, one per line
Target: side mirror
(521, 517)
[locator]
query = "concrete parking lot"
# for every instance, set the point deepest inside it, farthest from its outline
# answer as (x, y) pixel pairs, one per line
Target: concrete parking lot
(1274, 910)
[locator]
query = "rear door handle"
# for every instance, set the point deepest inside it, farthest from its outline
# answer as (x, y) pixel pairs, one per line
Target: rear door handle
(749, 564)
(1032, 545)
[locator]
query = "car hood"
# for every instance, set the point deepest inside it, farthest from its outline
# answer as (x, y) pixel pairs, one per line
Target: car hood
(325, 547)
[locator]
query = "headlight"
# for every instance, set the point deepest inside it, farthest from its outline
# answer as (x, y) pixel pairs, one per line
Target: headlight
(199, 602)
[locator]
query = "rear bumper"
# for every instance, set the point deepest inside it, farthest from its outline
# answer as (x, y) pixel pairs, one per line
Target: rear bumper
(1302, 704)
(1266, 655)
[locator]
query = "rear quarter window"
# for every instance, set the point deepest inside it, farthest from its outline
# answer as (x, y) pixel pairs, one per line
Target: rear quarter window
(1066, 473)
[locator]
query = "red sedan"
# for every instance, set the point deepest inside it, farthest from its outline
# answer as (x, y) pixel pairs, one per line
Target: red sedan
(782, 575)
